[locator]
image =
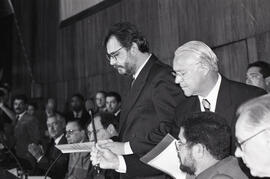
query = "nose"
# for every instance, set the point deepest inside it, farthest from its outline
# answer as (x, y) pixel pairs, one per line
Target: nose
(177, 79)
(112, 61)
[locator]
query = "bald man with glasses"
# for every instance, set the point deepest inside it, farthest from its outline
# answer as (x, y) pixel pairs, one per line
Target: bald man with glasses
(253, 135)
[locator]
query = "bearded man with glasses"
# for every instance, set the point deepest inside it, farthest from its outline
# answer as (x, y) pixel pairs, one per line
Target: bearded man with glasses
(253, 135)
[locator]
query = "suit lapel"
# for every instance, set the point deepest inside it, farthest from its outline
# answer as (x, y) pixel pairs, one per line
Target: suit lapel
(223, 99)
(136, 90)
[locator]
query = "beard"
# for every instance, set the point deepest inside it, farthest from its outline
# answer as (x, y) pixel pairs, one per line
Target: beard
(188, 169)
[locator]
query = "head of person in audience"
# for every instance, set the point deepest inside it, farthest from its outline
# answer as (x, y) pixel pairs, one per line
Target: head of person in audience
(113, 102)
(126, 48)
(204, 139)
(31, 108)
(19, 104)
(195, 68)
(56, 125)
(75, 132)
(100, 99)
(258, 74)
(77, 102)
(51, 107)
(90, 106)
(252, 132)
(104, 123)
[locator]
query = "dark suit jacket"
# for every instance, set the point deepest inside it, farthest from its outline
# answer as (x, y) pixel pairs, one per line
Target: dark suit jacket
(227, 167)
(26, 131)
(59, 170)
(83, 119)
(147, 114)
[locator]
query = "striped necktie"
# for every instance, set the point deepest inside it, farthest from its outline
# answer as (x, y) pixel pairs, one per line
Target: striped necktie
(206, 104)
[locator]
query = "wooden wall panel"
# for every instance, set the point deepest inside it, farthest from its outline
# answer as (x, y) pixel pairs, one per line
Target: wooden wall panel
(72, 59)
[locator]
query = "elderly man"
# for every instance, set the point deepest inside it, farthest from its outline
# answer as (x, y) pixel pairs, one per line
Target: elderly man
(204, 147)
(196, 71)
(44, 158)
(258, 74)
(148, 113)
(79, 163)
(253, 135)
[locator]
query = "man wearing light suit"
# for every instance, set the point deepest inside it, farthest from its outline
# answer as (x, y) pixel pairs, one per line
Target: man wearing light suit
(196, 71)
(147, 114)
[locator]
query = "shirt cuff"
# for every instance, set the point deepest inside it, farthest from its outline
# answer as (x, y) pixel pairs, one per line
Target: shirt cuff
(127, 148)
(122, 165)
(39, 158)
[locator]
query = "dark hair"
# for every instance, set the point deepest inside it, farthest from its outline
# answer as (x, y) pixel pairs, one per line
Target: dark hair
(20, 97)
(126, 33)
(78, 95)
(210, 130)
(33, 104)
(115, 95)
(264, 68)
(106, 119)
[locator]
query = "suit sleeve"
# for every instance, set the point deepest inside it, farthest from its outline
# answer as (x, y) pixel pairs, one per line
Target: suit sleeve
(33, 130)
(165, 97)
(134, 165)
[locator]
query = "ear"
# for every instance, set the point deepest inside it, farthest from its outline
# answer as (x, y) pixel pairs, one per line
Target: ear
(134, 48)
(198, 151)
(203, 68)
(111, 129)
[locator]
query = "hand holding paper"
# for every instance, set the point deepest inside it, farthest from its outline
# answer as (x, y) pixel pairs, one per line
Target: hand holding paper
(116, 147)
(104, 157)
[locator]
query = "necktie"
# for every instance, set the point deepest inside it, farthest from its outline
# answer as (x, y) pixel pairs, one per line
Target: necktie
(206, 104)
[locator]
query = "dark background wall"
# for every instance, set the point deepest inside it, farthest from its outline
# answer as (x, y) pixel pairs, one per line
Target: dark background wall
(71, 59)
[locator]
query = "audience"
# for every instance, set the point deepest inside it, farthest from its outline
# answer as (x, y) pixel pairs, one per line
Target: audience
(258, 74)
(253, 135)
(26, 131)
(32, 109)
(113, 105)
(79, 163)
(105, 126)
(204, 148)
(77, 109)
(51, 107)
(45, 157)
(100, 100)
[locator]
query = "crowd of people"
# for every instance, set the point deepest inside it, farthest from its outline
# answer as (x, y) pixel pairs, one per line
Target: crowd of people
(214, 119)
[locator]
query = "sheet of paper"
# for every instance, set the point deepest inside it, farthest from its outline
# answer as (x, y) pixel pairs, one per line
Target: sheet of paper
(164, 157)
(78, 147)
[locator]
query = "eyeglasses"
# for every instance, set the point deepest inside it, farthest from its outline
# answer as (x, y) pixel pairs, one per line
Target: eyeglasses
(178, 145)
(113, 54)
(239, 144)
(181, 74)
(70, 132)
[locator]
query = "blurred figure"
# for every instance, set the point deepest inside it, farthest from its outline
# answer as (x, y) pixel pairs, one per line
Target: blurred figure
(258, 74)
(91, 107)
(113, 105)
(77, 110)
(100, 100)
(204, 148)
(79, 163)
(51, 107)
(32, 109)
(44, 157)
(26, 131)
(253, 135)
(105, 129)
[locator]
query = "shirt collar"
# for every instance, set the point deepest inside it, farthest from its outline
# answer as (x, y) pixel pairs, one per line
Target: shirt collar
(20, 115)
(77, 114)
(141, 67)
(212, 96)
(57, 140)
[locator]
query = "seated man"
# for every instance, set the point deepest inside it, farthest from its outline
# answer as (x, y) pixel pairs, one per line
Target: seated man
(258, 74)
(204, 148)
(105, 129)
(253, 135)
(56, 128)
(113, 104)
(78, 166)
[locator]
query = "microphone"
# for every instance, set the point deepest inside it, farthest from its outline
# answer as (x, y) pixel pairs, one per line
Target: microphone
(50, 167)
(3, 141)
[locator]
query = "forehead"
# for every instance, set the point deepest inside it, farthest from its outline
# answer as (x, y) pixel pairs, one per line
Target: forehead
(110, 98)
(253, 70)
(72, 125)
(181, 134)
(98, 124)
(18, 101)
(242, 128)
(100, 95)
(113, 44)
(184, 60)
(51, 120)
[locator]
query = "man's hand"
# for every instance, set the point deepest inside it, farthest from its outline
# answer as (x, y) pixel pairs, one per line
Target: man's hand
(36, 150)
(116, 147)
(104, 157)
